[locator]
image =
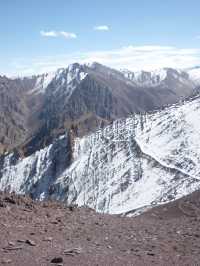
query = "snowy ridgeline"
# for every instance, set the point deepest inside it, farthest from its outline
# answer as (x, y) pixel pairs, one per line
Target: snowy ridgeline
(68, 78)
(156, 77)
(141, 161)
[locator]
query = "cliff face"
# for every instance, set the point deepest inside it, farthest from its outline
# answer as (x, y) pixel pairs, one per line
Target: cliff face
(133, 163)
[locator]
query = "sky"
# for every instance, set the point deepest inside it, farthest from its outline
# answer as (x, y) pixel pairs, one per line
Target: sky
(39, 36)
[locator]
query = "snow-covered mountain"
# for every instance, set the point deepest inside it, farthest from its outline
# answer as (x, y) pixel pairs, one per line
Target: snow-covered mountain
(83, 97)
(141, 161)
(163, 76)
(144, 152)
(66, 76)
(77, 72)
(146, 78)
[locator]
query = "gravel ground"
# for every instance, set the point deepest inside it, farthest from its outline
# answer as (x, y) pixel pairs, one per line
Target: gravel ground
(49, 233)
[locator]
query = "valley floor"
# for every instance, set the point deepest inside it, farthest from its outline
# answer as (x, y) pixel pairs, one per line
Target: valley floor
(49, 233)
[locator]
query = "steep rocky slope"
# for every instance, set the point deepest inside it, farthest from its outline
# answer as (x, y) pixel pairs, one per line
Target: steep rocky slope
(13, 113)
(134, 163)
(19, 109)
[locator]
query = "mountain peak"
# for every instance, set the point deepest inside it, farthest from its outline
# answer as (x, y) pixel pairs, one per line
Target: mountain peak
(63, 76)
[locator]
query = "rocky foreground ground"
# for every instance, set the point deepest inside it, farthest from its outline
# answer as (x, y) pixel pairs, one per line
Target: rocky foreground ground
(49, 233)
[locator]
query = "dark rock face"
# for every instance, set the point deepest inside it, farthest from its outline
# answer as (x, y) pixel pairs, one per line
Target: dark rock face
(88, 101)
(13, 112)
(17, 111)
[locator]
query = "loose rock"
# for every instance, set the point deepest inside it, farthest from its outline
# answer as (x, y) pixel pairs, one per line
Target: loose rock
(57, 260)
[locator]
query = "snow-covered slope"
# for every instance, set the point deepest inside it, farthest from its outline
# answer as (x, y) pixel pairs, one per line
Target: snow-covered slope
(36, 173)
(66, 76)
(136, 162)
(42, 82)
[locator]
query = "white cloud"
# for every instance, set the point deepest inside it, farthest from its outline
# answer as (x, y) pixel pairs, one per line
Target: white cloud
(67, 35)
(131, 57)
(102, 28)
(48, 33)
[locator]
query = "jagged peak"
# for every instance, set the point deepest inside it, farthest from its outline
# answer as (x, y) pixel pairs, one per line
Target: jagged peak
(66, 75)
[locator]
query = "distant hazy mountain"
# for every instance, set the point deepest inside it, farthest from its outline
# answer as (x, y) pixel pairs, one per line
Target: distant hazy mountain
(163, 76)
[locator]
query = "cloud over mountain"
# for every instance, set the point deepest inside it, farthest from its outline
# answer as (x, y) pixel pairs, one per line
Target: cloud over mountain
(132, 57)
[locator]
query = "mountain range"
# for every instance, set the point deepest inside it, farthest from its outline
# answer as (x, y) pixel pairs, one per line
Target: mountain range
(117, 141)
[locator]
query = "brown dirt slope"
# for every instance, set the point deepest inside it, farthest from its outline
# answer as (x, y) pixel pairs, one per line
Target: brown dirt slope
(49, 233)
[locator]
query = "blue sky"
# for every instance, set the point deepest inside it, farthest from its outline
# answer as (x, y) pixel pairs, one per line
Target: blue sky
(39, 36)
